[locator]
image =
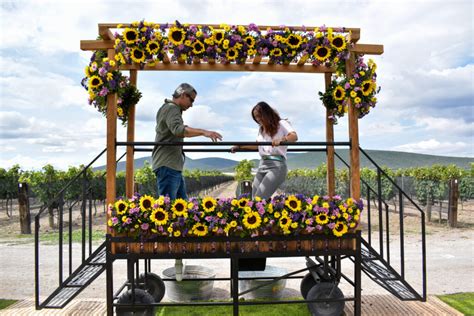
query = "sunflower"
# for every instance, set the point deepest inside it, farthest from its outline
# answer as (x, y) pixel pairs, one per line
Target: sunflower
(367, 87)
(338, 42)
(322, 53)
(293, 203)
(340, 229)
(146, 202)
(276, 52)
(121, 207)
(322, 218)
(250, 41)
(198, 47)
(315, 199)
(199, 229)
(130, 36)
(137, 55)
(339, 93)
(176, 35)
(218, 36)
(232, 54)
(294, 41)
(284, 222)
(95, 82)
(242, 202)
(252, 220)
(152, 47)
(179, 207)
(209, 204)
(159, 216)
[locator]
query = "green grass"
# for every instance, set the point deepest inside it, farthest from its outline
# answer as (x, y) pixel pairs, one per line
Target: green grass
(53, 237)
(463, 302)
(252, 310)
(5, 303)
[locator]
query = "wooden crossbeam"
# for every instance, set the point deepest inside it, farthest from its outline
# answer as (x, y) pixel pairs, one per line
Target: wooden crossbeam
(368, 49)
(105, 33)
(232, 67)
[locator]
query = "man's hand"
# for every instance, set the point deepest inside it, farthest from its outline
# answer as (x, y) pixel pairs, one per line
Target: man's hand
(233, 149)
(215, 136)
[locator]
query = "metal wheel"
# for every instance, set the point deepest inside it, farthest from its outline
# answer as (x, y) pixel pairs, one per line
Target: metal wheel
(325, 290)
(141, 297)
(306, 284)
(153, 284)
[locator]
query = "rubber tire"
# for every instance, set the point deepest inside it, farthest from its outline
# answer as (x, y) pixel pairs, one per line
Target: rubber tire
(321, 291)
(306, 284)
(141, 297)
(153, 285)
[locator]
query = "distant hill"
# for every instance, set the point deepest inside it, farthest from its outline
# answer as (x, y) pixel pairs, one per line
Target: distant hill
(391, 159)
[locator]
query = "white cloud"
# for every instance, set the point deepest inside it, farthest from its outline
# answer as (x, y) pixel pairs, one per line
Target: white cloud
(433, 145)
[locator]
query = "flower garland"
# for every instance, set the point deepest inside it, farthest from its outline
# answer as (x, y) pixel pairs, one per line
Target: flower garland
(282, 215)
(146, 43)
(101, 80)
(360, 88)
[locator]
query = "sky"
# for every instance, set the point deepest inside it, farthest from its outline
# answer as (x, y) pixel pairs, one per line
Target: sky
(426, 76)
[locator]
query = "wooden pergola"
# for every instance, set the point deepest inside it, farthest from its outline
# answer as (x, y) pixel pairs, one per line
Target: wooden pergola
(257, 64)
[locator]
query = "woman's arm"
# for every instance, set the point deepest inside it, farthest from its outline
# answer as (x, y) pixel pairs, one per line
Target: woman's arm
(233, 149)
(290, 137)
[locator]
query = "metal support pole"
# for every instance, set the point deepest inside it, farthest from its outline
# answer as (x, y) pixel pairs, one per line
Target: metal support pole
(235, 284)
(110, 276)
(357, 277)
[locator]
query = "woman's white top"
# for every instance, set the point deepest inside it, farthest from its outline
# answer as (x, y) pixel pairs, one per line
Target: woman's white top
(284, 129)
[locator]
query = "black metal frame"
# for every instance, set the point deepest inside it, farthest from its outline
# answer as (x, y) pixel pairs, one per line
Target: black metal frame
(133, 266)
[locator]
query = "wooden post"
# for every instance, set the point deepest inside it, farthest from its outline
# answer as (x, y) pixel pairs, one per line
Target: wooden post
(24, 207)
(354, 137)
(111, 140)
(453, 202)
(129, 177)
(330, 177)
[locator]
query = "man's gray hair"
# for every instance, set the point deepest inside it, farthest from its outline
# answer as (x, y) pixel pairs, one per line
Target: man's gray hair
(184, 88)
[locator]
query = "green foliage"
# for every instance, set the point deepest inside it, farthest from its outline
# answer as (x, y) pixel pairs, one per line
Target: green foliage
(243, 170)
(9, 182)
(5, 303)
(146, 180)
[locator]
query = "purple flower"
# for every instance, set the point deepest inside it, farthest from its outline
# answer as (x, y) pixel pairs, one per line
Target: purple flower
(331, 225)
(145, 226)
(319, 227)
(115, 220)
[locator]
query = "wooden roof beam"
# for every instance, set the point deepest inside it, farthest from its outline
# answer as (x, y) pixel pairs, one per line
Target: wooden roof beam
(96, 44)
(368, 49)
(105, 32)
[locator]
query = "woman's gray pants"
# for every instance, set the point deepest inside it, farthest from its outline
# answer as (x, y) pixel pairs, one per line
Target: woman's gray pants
(270, 175)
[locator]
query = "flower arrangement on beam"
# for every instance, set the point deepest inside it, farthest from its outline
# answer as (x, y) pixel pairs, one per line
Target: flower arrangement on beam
(101, 79)
(142, 216)
(360, 89)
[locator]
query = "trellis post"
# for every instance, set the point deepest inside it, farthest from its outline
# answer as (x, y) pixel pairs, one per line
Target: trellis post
(111, 140)
(330, 177)
(129, 178)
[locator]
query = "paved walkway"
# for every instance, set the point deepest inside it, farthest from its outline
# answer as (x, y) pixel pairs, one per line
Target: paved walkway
(376, 305)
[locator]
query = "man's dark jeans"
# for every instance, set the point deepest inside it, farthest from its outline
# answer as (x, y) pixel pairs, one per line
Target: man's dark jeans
(170, 182)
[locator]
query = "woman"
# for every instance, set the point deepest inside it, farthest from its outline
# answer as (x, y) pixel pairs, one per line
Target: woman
(272, 169)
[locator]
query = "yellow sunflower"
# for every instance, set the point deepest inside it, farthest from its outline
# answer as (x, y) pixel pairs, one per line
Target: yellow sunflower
(176, 35)
(199, 229)
(322, 218)
(293, 203)
(322, 53)
(95, 82)
(121, 207)
(252, 220)
(159, 216)
(250, 41)
(294, 41)
(284, 222)
(367, 87)
(243, 202)
(218, 36)
(146, 202)
(276, 52)
(198, 47)
(340, 229)
(339, 93)
(209, 204)
(338, 42)
(179, 207)
(315, 199)
(232, 54)
(130, 36)
(152, 47)
(137, 55)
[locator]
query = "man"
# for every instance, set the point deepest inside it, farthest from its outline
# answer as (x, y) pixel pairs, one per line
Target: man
(168, 161)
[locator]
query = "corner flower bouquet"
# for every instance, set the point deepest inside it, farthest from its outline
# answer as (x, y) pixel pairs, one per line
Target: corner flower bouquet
(145, 215)
(360, 88)
(101, 79)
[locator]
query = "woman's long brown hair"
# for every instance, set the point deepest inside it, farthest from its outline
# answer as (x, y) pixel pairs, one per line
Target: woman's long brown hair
(270, 118)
